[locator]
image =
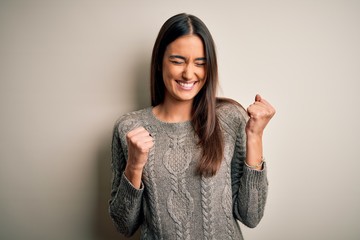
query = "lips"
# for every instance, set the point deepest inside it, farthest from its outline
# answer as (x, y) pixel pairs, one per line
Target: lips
(186, 85)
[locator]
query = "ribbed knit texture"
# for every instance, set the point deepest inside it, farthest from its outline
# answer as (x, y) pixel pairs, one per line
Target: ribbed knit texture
(175, 203)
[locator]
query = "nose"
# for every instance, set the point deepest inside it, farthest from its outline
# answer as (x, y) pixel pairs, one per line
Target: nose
(188, 72)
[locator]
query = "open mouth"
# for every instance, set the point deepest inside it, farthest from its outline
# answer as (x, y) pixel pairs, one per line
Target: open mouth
(186, 85)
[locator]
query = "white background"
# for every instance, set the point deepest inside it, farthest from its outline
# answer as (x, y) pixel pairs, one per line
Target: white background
(68, 69)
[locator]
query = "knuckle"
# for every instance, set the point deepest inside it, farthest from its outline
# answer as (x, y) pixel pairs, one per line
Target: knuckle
(128, 136)
(144, 149)
(138, 144)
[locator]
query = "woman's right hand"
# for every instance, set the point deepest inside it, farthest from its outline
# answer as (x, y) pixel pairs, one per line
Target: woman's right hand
(139, 143)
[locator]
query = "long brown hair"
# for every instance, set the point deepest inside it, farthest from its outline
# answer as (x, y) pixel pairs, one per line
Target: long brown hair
(204, 119)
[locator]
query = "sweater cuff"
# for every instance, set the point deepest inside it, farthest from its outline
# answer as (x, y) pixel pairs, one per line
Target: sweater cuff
(129, 190)
(255, 178)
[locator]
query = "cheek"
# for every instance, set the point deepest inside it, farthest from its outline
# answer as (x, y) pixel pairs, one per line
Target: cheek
(203, 78)
(166, 73)
(170, 73)
(168, 78)
(166, 69)
(202, 75)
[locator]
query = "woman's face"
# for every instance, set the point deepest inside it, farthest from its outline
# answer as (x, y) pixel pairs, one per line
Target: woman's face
(184, 68)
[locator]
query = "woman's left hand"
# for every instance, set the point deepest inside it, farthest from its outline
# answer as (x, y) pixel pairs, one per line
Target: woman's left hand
(260, 113)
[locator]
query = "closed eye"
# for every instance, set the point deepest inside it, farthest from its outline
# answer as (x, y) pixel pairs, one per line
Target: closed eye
(177, 59)
(200, 64)
(200, 61)
(176, 62)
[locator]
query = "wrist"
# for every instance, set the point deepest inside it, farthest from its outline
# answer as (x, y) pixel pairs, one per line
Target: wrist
(254, 136)
(257, 165)
(134, 168)
(254, 151)
(134, 175)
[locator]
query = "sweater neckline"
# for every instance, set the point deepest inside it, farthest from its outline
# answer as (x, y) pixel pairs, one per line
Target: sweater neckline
(169, 126)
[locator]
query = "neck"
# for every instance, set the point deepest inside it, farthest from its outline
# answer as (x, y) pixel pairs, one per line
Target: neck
(173, 112)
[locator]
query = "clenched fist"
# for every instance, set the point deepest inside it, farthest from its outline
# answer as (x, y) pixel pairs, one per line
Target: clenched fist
(260, 113)
(139, 143)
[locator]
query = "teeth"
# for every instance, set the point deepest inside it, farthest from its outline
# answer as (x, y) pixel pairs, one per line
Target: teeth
(186, 85)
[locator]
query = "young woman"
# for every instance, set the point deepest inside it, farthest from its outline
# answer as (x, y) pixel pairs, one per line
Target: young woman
(191, 165)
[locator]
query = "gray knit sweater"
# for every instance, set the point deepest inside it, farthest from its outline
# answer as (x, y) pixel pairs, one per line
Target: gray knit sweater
(174, 202)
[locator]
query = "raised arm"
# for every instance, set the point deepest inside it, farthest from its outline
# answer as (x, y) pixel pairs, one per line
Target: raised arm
(260, 113)
(249, 181)
(126, 199)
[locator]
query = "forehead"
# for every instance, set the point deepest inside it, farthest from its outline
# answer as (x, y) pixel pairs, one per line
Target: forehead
(188, 45)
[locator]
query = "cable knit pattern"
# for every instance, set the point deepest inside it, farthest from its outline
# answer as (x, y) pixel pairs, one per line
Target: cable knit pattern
(180, 203)
(207, 211)
(175, 203)
(149, 179)
(227, 202)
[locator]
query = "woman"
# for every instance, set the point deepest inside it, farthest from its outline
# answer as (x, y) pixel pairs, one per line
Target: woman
(191, 165)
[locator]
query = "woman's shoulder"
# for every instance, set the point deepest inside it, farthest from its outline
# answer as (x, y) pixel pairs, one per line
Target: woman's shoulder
(132, 120)
(231, 110)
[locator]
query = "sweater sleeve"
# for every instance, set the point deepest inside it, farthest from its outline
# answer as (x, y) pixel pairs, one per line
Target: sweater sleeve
(125, 200)
(249, 187)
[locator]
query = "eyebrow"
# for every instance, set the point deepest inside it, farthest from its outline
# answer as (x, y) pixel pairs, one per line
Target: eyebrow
(183, 58)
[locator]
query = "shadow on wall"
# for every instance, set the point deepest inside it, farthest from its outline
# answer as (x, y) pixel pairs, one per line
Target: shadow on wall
(104, 228)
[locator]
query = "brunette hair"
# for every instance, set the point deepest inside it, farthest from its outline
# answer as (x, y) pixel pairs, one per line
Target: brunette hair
(204, 119)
